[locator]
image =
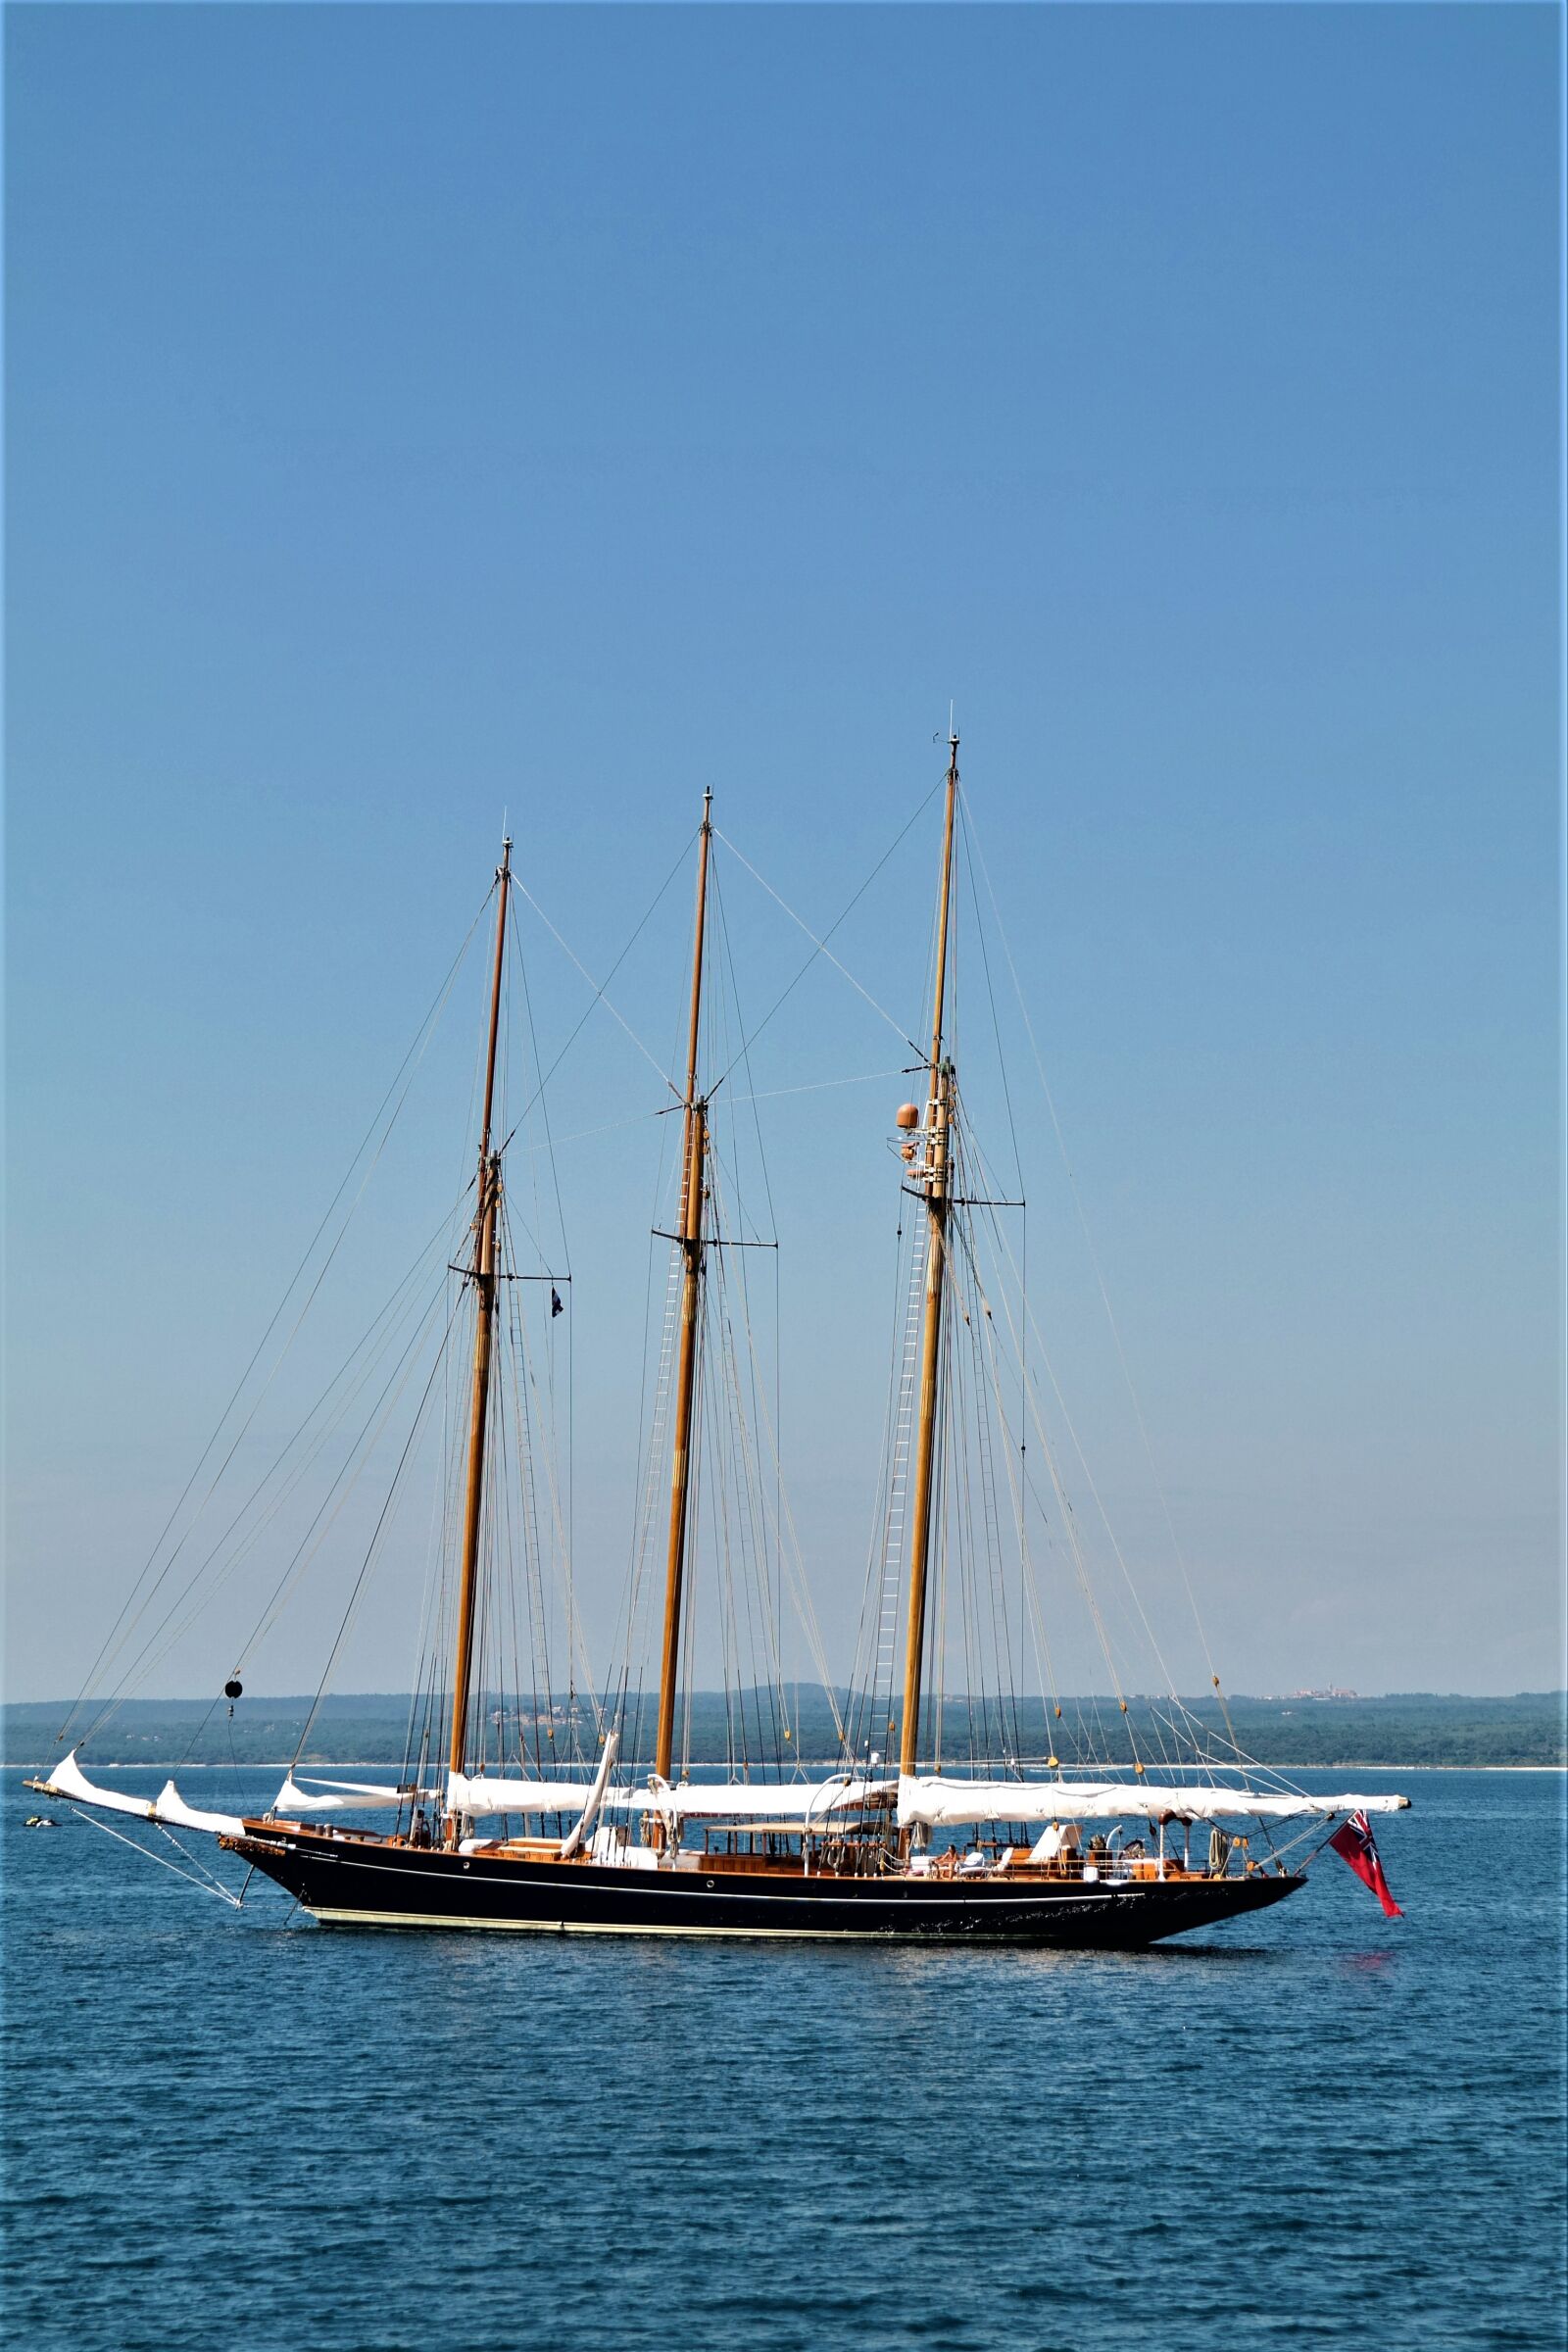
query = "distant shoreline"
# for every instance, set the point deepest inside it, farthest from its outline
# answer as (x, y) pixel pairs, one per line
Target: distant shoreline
(372, 1731)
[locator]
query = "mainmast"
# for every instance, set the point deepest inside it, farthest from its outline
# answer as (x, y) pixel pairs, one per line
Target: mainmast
(483, 1276)
(936, 1177)
(690, 1232)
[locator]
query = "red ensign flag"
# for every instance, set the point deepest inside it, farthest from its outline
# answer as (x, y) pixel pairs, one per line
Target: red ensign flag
(1355, 1845)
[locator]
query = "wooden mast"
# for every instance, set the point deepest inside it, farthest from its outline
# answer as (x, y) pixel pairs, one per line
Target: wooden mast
(485, 1284)
(690, 1230)
(936, 1177)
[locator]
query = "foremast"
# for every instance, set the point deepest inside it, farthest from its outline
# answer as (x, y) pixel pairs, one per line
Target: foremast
(935, 1182)
(482, 1274)
(689, 1232)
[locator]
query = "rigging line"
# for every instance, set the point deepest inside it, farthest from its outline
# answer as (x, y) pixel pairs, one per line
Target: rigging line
(883, 1592)
(309, 1542)
(767, 1551)
(582, 1135)
(653, 1416)
(1019, 1336)
(532, 1454)
(656, 1399)
(435, 1644)
(814, 1086)
(977, 1538)
(1068, 1518)
(983, 1185)
(370, 1548)
(434, 1553)
(576, 1649)
(1244, 1762)
(982, 1341)
(599, 993)
(991, 999)
(312, 1434)
(544, 1108)
(391, 1315)
(820, 946)
(685, 851)
(652, 1412)
(513, 1534)
(771, 1555)
(752, 1521)
(745, 1234)
(201, 1885)
(790, 1557)
(1000, 1241)
(363, 1447)
(1043, 1663)
(415, 1055)
(743, 1057)
(197, 1864)
(768, 1536)
(972, 834)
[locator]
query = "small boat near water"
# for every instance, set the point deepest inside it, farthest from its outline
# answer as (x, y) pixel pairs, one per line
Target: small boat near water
(885, 1840)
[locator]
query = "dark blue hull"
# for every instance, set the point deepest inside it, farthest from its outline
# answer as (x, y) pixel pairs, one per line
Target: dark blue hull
(346, 1880)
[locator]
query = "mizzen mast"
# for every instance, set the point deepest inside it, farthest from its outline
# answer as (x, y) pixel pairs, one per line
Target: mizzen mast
(483, 1276)
(690, 1234)
(936, 1177)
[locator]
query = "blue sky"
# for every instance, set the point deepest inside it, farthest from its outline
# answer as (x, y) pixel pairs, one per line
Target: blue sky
(416, 414)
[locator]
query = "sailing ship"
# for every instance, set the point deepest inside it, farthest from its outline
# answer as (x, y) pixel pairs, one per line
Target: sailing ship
(889, 1843)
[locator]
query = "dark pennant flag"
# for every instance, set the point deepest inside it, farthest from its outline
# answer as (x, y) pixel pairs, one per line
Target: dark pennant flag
(554, 1303)
(1355, 1845)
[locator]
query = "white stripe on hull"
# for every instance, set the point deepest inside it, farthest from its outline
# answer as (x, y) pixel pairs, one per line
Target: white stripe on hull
(562, 1926)
(567, 1927)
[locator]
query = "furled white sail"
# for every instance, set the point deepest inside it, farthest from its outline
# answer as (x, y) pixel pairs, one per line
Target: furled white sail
(681, 1801)
(930, 1801)
(67, 1779)
(172, 1808)
(476, 1794)
(761, 1801)
(340, 1796)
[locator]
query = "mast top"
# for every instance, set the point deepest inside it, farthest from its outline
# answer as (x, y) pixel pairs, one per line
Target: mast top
(503, 876)
(705, 836)
(944, 902)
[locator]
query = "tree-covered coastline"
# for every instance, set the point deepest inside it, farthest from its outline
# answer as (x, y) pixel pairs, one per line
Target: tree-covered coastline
(1404, 1729)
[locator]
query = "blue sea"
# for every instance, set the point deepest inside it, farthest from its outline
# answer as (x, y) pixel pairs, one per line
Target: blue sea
(1312, 2128)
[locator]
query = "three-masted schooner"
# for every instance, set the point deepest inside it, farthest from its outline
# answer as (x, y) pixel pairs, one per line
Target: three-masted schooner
(909, 1854)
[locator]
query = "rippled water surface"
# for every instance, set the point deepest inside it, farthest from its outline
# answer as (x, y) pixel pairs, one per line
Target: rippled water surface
(1308, 2127)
